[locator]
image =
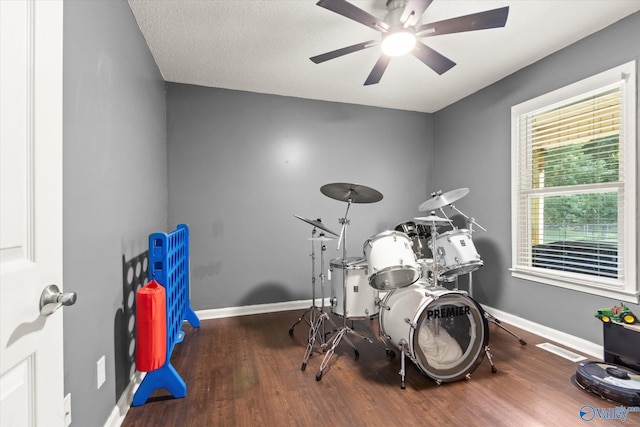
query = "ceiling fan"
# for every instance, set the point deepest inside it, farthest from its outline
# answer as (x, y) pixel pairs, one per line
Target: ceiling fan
(401, 29)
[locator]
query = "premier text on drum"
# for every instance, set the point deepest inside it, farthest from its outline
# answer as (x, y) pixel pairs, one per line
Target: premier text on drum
(451, 311)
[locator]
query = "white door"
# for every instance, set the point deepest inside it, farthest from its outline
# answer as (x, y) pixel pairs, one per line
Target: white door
(31, 348)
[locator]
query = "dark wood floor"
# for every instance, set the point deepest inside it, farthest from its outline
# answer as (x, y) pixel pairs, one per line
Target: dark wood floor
(246, 371)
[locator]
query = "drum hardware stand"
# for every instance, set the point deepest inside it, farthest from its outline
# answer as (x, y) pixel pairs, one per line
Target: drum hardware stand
(434, 250)
(470, 223)
(318, 327)
(490, 317)
(344, 330)
(402, 372)
(311, 310)
(350, 193)
(487, 351)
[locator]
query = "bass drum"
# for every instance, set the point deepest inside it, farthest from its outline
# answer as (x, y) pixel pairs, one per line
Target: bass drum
(443, 332)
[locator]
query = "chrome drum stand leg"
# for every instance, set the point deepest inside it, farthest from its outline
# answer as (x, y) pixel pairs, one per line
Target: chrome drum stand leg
(311, 311)
(402, 365)
(491, 318)
(318, 328)
(487, 351)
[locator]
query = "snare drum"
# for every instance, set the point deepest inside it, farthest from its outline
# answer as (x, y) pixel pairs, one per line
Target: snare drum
(456, 253)
(392, 263)
(443, 332)
(361, 298)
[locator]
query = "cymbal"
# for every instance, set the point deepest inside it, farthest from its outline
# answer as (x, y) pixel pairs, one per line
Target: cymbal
(321, 238)
(354, 193)
(440, 200)
(432, 218)
(318, 224)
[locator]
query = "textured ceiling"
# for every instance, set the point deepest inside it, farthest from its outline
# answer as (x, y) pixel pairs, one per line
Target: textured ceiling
(264, 46)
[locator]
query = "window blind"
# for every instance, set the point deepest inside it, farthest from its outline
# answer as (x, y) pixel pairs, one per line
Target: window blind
(570, 193)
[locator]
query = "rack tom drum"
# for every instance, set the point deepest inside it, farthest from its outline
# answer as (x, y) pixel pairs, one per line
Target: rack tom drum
(392, 263)
(456, 253)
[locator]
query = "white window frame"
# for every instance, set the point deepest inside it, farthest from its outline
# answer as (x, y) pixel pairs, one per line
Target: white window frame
(628, 289)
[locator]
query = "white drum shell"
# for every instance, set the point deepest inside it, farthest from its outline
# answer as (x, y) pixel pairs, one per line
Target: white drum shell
(404, 312)
(392, 262)
(455, 253)
(361, 298)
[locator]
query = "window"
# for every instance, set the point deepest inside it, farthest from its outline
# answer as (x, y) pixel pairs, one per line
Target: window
(574, 161)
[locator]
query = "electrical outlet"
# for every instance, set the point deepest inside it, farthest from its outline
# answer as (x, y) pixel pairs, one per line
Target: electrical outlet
(67, 410)
(101, 369)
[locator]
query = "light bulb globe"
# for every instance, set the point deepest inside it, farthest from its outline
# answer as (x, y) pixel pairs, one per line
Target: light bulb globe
(398, 43)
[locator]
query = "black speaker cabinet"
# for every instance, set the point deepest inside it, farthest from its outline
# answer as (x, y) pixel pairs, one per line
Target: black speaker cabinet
(622, 344)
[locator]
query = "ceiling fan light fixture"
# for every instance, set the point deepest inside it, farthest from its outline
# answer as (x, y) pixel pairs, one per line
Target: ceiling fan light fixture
(398, 43)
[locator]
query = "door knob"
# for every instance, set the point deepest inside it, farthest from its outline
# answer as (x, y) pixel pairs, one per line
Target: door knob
(52, 299)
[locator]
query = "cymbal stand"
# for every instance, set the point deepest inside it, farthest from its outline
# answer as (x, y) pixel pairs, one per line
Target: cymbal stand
(344, 330)
(311, 310)
(490, 317)
(318, 327)
(434, 253)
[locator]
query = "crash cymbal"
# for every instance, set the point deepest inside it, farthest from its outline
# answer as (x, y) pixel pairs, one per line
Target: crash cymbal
(318, 224)
(432, 219)
(354, 193)
(439, 199)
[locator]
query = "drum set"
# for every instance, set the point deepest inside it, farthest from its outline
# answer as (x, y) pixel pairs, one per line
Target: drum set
(399, 279)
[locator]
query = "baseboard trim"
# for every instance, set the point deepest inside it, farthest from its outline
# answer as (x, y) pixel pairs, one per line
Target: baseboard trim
(573, 342)
(124, 403)
(587, 347)
(219, 313)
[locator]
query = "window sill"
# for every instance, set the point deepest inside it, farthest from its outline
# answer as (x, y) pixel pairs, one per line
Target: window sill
(600, 288)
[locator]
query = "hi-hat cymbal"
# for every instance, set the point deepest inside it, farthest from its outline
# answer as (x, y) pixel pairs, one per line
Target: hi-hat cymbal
(321, 238)
(440, 200)
(432, 218)
(318, 224)
(354, 193)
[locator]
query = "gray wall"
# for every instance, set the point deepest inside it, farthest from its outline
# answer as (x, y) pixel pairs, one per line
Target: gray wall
(115, 184)
(242, 164)
(478, 128)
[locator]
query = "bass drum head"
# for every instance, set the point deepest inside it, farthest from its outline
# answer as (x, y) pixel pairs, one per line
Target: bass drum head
(448, 332)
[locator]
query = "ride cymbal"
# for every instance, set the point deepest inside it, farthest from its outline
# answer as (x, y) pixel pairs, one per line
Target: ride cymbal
(353, 193)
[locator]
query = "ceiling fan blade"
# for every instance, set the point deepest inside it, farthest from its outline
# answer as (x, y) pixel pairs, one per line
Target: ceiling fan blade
(476, 21)
(436, 61)
(378, 70)
(348, 10)
(340, 52)
(413, 11)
